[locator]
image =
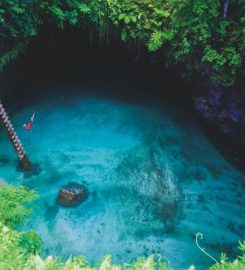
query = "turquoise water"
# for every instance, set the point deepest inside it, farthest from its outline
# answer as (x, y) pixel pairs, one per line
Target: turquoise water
(154, 180)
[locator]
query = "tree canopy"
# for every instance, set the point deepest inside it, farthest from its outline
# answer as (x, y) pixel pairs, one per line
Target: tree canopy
(208, 37)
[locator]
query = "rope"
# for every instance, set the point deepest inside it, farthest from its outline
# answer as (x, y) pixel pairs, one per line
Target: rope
(202, 249)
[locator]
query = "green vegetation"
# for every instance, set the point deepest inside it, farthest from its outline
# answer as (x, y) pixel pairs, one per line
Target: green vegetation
(208, 37)
(21, 250)
(237, 264)
(15, 204)
(204, 36)
(11, 55)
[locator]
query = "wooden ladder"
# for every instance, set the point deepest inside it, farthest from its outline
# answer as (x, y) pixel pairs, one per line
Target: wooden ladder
(18, 147)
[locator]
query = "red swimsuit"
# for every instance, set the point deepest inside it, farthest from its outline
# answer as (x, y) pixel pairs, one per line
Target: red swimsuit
(28, 126)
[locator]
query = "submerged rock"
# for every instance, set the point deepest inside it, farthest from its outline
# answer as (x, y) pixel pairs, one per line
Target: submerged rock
(71, 195)
(150, 177)
(224, 111)
(224, 108)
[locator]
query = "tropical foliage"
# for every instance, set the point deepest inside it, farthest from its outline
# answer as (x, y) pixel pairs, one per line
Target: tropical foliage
(21, 250)
(15, 204)
(207, 36)
(237, 264)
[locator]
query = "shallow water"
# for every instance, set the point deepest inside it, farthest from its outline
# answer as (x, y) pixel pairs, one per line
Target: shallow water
(154, 180)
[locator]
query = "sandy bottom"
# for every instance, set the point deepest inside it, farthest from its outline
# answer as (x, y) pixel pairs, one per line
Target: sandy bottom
(154, 181)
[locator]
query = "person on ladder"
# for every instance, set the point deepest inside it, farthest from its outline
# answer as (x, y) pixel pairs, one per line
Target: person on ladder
(29, 125)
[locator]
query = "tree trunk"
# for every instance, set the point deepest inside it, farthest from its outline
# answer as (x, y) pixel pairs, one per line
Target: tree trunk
(18, 147)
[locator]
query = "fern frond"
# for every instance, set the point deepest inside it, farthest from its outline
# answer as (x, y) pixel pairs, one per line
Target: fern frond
(156, 41)
(11, 55)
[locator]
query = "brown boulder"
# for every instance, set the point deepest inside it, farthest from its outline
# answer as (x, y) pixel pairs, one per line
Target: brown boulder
(71, 195)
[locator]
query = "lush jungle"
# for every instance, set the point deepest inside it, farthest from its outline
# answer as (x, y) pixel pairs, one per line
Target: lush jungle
(205, 38)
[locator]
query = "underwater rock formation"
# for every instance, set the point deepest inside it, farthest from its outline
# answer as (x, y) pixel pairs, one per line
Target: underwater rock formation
(224, 109)
(71, 195)
(153, 182)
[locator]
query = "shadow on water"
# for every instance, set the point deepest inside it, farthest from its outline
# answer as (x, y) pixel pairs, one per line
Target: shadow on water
(69, 58)
(231, 150)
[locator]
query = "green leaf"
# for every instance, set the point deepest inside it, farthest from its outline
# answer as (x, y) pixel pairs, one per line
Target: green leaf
(83, 8)
(124, 35)
(156, 41)
(161, 12)
(133, 18)
(18, 10)
(127, 19)
(121, 16)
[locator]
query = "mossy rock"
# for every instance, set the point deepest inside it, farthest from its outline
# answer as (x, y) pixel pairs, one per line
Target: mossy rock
(72, 194)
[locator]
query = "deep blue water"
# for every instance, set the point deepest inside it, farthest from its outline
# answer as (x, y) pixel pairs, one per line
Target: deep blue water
(153, 177)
